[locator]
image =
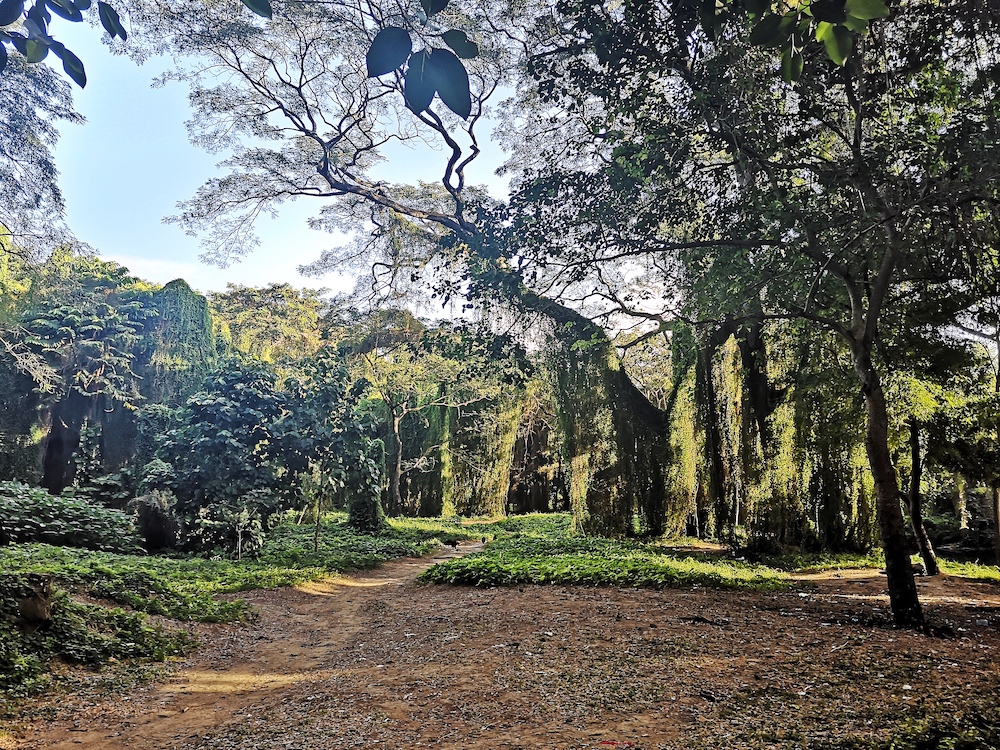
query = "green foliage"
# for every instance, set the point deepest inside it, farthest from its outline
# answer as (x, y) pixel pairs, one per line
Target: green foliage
(539, 549)
(971, 571)
(816, 562)
(187, 588)
(327, 435)
(342, 548)
(272, 323)
(28, 514)
(179, 588)
(88, 326)
(79, 633)
(220, 449)
(179, 347)
(972, 728)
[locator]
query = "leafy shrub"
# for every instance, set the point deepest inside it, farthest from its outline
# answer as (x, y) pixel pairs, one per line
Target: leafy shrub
(79, 633)
(235, 529)
(107, 490)
(970, 728)
(29, 514)
(155, 519)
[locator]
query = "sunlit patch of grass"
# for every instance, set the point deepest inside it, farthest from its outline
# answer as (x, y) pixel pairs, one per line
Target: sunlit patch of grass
(178, 587)
(588, 561)
(971, 571)
(818, 562)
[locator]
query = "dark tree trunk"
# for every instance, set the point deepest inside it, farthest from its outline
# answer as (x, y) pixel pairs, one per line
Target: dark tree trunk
(763, 399)
(63, 441)
(996, 521)
(916, 512)
(903, 599)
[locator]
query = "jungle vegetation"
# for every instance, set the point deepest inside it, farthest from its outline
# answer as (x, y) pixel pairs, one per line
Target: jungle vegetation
(728, 296)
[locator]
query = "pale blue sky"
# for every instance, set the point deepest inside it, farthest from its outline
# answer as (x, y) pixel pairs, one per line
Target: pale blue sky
(129, 165)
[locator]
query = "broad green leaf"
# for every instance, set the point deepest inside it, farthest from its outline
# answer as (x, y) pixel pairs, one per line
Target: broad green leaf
(756, 7)
(433, 6)
(389, 49)
(10, 11)
(3, 58)
(74, 67)
(831, 11)
(768, 31)
(36, 29)
(82, 4)
(839, 43)
(867, 9)
(110, 20)
(451, 81)
(66, 9)
(859, 25)
(791, 66)
(460, 43)
(261, 7)
(418, 83)
(34, 51)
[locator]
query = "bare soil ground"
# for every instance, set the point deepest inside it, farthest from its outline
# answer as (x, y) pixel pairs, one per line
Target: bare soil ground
(377, 660)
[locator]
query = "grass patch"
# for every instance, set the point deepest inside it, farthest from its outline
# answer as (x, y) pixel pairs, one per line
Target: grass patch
(818, 562)
(546, 553)
(188, 588)
(79, 634)
(971, 571)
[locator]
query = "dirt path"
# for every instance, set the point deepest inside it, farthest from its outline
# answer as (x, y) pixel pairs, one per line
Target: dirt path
(378, 661)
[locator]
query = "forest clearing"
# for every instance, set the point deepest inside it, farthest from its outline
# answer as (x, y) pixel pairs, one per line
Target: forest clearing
(677, 321)
(379, 659)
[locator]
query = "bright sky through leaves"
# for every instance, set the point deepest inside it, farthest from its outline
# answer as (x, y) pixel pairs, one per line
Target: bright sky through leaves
(128, 166)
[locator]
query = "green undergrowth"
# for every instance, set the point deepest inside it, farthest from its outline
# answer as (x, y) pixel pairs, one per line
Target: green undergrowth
(31, 514)
(971, 730)
(180, 588)
(187, 588)
(817, 562)
(972, 571)
(972, 727)
(79, 633)
(539, 549)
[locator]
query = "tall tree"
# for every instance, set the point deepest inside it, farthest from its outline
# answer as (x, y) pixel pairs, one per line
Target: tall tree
(86, 320)
(294, 105)
(826, 202)
(270, 323)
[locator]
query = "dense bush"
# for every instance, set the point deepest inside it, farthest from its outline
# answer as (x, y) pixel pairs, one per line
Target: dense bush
(28, 514)
(79, 634)
(156, 521)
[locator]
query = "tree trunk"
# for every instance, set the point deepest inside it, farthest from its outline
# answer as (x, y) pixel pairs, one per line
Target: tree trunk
(763, 399)
(903, 598)
(961, 502)
(615, 440)
(708, 412)
(916, 512)
(63, 441)
(996, 521)
(395, 496)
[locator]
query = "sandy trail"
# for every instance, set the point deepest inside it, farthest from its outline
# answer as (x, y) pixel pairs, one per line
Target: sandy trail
(376, 660)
